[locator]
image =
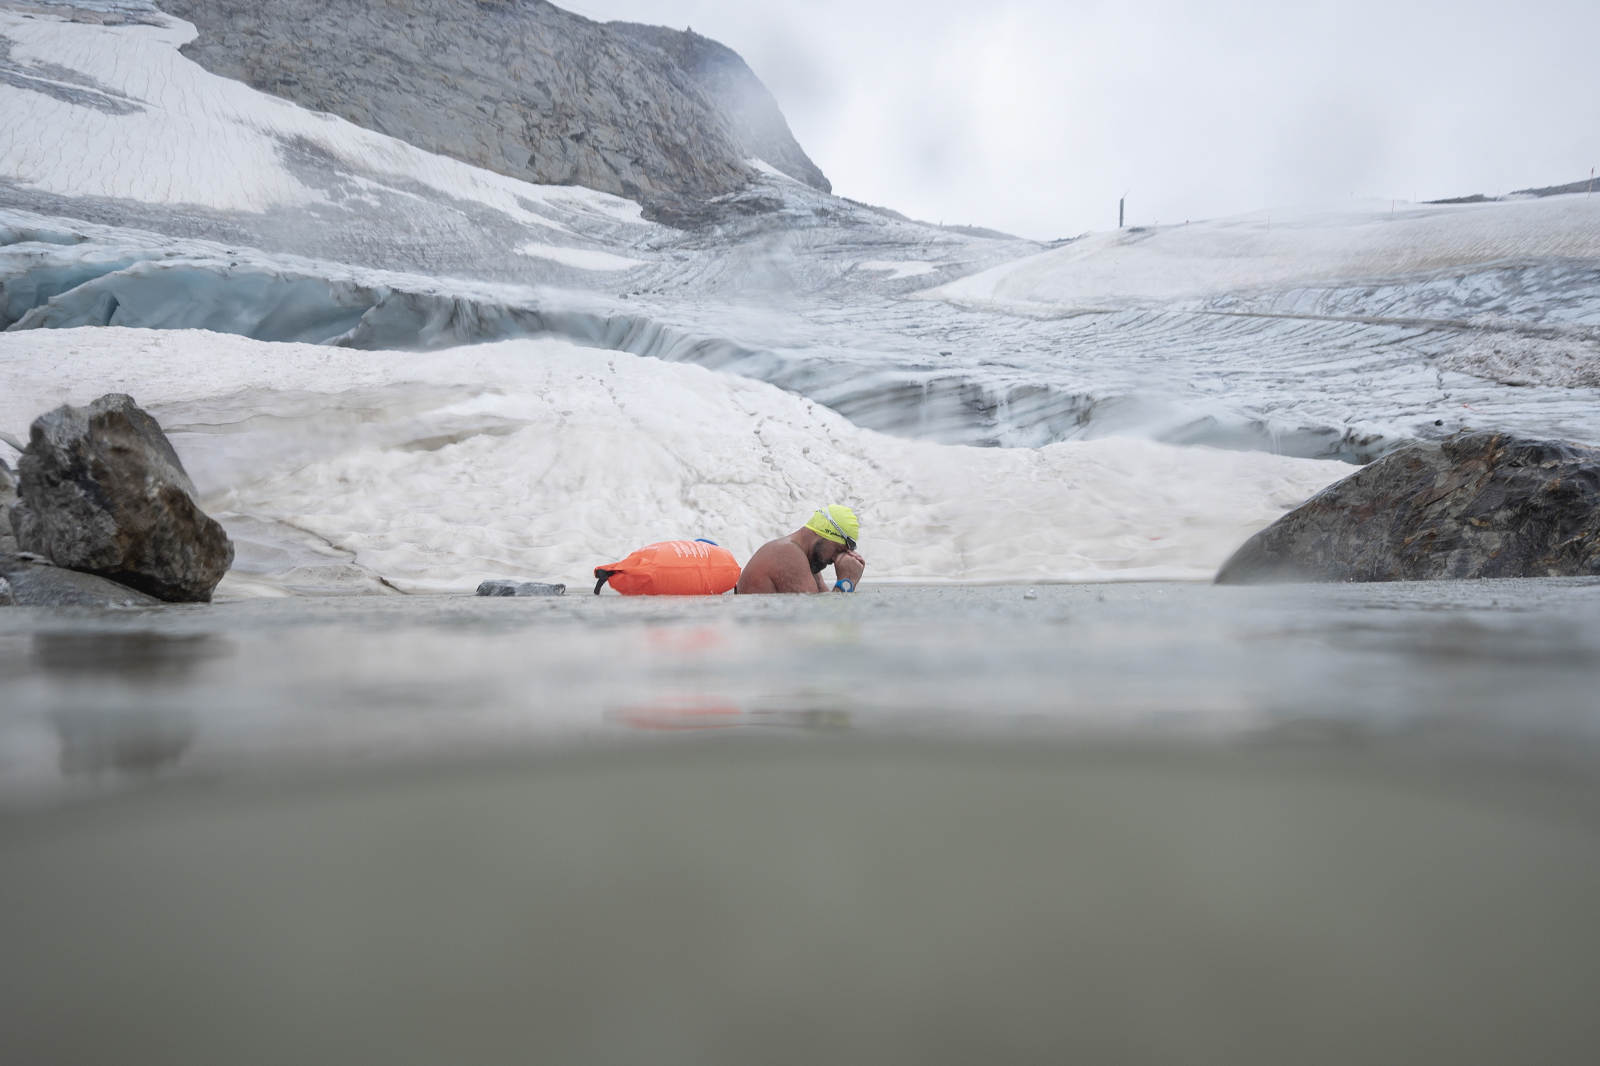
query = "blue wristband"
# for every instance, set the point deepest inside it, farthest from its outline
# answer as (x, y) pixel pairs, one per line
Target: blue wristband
(844, 584)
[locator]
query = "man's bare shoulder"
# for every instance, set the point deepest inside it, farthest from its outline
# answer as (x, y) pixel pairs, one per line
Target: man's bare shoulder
(781, 548)
(777, 566)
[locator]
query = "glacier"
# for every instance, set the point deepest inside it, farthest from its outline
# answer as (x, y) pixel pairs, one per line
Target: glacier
(340, 470)
(1319, 335)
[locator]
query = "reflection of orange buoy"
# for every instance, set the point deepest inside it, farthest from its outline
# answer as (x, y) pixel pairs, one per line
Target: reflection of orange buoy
(672, 568)
(671, 716)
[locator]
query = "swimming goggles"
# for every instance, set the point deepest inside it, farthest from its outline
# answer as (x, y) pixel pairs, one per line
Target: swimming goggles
(849, 541)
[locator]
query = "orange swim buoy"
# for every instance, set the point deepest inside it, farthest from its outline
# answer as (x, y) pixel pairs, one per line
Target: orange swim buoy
(672, 568)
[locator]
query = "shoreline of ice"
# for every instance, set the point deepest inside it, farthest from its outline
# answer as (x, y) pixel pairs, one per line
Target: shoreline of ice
(338, 469)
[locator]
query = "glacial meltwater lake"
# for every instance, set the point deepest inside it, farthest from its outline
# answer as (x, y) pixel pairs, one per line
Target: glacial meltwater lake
(99, 699)
(1119, 823)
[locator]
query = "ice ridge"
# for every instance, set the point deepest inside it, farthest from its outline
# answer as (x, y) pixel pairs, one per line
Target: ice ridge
(1280, 372)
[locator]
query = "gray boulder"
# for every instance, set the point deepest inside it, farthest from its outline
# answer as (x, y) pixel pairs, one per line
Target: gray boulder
(503, 587)
(34, 583)
(102, 491)
(1479, 504)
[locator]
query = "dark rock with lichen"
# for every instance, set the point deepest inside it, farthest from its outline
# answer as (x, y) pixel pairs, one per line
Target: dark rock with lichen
(1478, 504)
(101, 491)
(506, 587)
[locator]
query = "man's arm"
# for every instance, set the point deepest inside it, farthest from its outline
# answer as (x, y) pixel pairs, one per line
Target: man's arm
(791, 571)
(849, 567)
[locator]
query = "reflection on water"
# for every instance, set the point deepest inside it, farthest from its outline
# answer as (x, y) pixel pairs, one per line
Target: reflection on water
(1504, 663)
(136, 657)
(683, 711)
(1161, 824)
(135, 741)
(116, 698)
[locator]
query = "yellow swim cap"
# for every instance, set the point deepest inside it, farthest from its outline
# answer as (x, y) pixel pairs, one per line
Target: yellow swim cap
(836, 523)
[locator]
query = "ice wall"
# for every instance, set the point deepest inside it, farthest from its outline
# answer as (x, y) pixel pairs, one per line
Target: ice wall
(1329, 332)
(1345, 371)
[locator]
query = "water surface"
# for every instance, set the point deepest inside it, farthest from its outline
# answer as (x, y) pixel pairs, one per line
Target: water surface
(96, 698)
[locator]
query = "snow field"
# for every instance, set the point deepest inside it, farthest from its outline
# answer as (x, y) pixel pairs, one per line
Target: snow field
(1367, 239)
(542, 459)
(580, 258)
(186, 136)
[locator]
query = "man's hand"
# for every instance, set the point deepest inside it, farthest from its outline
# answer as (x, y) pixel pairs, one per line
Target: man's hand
(849, 566)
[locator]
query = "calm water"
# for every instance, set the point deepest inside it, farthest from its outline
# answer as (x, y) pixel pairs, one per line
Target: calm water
(96, 698)
(1164, 824)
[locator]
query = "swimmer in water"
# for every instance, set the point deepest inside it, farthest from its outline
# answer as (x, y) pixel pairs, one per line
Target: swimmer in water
(795, 563)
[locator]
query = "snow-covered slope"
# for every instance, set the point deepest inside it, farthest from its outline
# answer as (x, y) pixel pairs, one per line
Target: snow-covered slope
(132, 119)
(136, 190)
(541, 459)
(1285, 249)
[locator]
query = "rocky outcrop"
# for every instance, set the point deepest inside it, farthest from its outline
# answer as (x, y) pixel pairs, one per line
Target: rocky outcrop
(505, 587)
(33, 583)
(1479, 504)
(101, 491)
(8, 496)
(515, 86)
(751, 112)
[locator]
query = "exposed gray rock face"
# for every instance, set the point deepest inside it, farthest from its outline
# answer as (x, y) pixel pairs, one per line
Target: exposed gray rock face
(515, 86)
(8, 496)
(32, 583)
(1478, 504)
(752, 113)
(102, 491)
(505, 587)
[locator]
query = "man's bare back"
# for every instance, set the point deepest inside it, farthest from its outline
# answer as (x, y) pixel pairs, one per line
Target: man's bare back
(795, 563)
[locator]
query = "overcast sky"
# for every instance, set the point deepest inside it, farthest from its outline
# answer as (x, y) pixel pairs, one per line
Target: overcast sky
(1034, 116)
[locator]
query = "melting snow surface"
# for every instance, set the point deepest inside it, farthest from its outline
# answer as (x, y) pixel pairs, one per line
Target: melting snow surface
(580, 258)
(1368, 239)
(541, 459)
(900, 270)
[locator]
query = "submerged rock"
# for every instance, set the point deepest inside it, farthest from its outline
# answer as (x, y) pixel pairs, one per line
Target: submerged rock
(102, 491)
(1479, 504)
(502, 587)
(35, 583)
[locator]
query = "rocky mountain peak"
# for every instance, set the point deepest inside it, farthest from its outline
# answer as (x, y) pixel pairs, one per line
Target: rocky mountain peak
(733, 87)
(520, 87)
